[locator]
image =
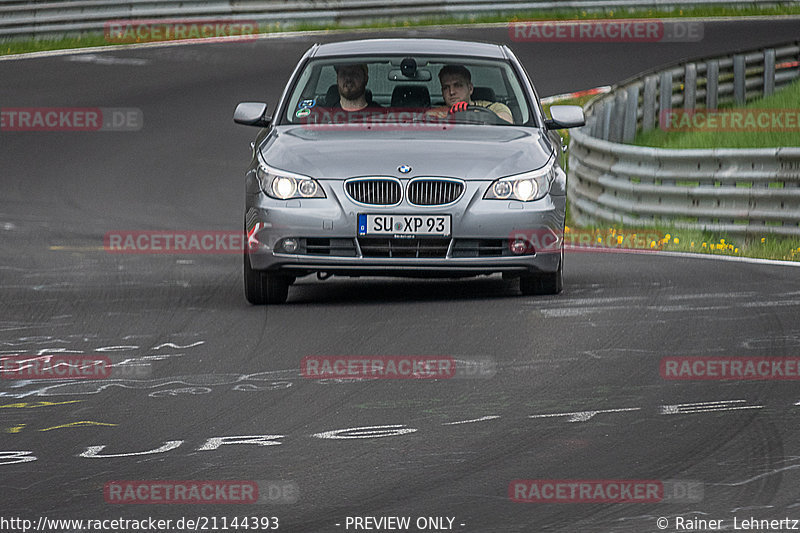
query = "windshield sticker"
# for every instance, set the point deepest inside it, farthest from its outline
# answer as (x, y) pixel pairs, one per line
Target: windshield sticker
(307, 104)
(304, 112)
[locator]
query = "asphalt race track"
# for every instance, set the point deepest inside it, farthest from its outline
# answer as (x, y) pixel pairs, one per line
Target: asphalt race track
(220, 368)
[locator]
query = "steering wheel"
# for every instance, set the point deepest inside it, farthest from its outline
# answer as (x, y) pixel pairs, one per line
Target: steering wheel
(479, 113)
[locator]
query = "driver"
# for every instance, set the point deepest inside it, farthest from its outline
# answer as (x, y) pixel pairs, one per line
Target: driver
(352, 82)
(457, 89)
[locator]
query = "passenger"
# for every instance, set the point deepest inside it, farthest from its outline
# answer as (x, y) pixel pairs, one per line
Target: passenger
(457, 90)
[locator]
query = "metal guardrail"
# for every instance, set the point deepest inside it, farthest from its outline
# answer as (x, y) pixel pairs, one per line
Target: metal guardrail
(23, 19)
(740, 191)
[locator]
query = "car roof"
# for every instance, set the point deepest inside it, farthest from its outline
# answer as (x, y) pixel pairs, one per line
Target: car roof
(442, 47)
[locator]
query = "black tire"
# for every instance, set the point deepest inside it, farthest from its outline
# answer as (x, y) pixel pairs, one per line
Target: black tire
(540, 284)
(262, 288)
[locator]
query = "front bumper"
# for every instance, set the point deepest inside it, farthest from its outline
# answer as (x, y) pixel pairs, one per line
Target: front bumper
(482, 231)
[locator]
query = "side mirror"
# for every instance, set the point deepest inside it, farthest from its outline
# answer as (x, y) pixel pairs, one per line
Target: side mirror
(565, 116)
(252, 114)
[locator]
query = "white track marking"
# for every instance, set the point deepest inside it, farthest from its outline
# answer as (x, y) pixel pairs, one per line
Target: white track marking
(15, 457)
(689, 255)
(366, 432)
(257, 440)
(583, 416)
(108, 60)
(94, 451)
(481, 419)
(172, 345)
(704, 407)
(760, 476)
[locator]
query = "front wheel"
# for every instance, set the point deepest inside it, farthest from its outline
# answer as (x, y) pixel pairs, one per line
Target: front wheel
(262, 288)
(539, 284)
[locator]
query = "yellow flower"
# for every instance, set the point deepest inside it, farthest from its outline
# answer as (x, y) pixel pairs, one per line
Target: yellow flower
(652, 244)
(763, 239)
(619, 239)
(667, 236)
(704, 245)
(692, 244)
(722, 241)
(736, 251)
(676, 240)
(599, 239)
(566, 229)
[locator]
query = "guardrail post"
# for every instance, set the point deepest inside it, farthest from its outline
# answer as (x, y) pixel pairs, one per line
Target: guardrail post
(599, 113)
(690, 86)
(739, 89)
(664, 98)
(649, 103)
(795, 72)
(712, 84)
(631, 112)
(590, 127)
(769, 71)
(596, 124)
(608, 112)
(618, 118)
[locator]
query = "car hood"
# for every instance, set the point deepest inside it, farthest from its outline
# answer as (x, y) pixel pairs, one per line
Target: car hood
(464, 151)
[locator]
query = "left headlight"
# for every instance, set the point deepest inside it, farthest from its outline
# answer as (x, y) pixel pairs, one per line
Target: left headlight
(285, 185)
(524, 187)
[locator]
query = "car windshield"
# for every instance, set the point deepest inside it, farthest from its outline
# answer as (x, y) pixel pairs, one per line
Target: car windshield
(401, 89)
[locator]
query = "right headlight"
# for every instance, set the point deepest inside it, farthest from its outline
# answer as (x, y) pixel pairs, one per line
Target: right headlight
(525, 187)
(285, 185)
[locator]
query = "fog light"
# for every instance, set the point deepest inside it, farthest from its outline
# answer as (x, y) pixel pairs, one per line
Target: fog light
(289, 245)
(519, 247)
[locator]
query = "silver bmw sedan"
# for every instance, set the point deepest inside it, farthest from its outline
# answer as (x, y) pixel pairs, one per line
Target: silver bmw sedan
(405, 157)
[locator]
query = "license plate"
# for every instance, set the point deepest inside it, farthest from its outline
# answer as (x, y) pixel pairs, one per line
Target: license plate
(405, 225)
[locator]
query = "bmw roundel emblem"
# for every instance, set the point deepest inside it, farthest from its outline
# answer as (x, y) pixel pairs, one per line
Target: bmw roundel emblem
(404, 169)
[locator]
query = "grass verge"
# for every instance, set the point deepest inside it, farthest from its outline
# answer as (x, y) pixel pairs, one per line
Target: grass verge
(781, 106)
(681, 240)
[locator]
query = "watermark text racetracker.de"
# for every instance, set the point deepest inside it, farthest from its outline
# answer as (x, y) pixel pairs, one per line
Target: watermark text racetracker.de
(312, 116)
(138, 31)
(424, 367)
(532, 241)
(730, 368)
(176, 242)
(729, 120)
(604, 491)
(71, 366)
(207, 492)
(607, 31)
(71, 119)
